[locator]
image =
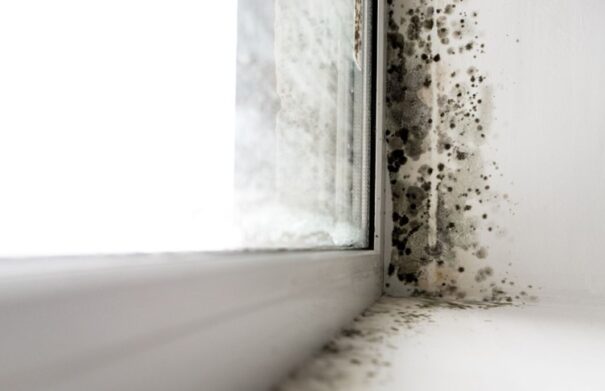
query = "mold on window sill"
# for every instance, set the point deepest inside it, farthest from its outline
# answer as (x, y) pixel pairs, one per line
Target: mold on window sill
(429, 344)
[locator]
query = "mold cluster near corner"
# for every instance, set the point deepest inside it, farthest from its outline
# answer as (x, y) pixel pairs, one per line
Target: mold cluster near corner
(438, 119)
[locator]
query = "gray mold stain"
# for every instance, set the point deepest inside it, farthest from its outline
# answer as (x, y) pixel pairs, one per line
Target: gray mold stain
(437, 120)
(362, 355)
(358, 20)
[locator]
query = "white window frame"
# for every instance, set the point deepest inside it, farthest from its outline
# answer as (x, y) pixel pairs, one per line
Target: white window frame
(198, 321)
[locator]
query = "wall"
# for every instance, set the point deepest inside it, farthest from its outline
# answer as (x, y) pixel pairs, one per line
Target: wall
(533, 166)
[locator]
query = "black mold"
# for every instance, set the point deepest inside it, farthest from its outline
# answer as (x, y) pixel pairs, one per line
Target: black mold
(444, 205)
(363, 345)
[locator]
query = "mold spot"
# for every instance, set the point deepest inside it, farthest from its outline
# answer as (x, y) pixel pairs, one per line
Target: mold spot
(437, 122)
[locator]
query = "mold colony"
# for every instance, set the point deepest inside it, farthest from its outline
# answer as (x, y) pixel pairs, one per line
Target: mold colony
(363, 355)
(437, 120)
(357, 357)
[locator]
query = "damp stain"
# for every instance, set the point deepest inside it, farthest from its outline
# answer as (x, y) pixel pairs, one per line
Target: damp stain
(438, 116)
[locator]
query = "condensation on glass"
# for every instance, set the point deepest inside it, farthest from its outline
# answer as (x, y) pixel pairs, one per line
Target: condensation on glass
(302, 133)
(183, 125)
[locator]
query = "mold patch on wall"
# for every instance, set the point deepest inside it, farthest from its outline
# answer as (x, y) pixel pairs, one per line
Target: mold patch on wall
(437, 121)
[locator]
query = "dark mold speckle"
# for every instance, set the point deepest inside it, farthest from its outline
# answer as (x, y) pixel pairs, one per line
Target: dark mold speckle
(437, 120)
(362, 353)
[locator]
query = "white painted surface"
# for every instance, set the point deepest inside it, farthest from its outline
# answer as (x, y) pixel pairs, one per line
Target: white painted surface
(399, 345)
(545, 60)
(544, 347)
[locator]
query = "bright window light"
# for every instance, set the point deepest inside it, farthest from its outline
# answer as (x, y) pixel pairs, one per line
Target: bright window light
(116, 125)
(131, 126)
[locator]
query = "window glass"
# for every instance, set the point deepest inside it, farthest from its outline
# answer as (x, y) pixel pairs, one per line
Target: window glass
(182, 125)
(301, 143)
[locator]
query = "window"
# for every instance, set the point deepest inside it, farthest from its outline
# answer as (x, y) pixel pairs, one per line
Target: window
(116, 127)
(153, 133)
(135, 126)
(302, 139)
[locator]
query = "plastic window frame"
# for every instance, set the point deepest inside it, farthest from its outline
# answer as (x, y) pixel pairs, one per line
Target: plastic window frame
(179, 321)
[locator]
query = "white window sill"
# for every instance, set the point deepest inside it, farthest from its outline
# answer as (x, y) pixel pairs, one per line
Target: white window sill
(399, 345)
(175, 322)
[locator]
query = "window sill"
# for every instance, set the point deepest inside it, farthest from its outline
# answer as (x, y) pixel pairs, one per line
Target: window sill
(418, 344)
(176, 321)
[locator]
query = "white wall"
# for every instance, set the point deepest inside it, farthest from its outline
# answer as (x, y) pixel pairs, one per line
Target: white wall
(549, 138)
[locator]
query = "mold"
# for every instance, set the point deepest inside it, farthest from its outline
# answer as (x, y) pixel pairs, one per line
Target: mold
(361, 355)
(357, 45)
(438, 104)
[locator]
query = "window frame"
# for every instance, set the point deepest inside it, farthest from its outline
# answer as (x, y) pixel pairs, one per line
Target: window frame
(182, 320)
